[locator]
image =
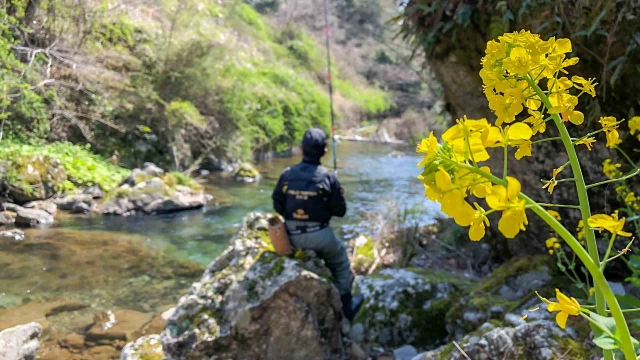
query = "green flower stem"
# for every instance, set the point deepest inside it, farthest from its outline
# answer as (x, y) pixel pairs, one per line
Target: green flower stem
(625, 177)
(602, 287)
(560, 205)
(599, 280)
(606, 254)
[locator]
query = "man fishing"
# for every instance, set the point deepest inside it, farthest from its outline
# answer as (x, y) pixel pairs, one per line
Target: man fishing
(307, 196)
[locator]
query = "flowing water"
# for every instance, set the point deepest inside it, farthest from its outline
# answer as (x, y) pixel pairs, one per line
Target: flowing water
(146, 263)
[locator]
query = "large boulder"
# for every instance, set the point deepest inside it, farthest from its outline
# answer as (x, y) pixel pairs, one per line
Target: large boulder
(33, 177)
(76, 203)
(152, 191)
(406, 306)
(33, 217)
(20, 342)
(252, 304)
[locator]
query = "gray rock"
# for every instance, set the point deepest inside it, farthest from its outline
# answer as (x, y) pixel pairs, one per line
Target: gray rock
(514, 319)
(12, 207)
(356, 334)
(406, 352)
(81, 207)
(20, 342)
(47, 206)
(152, 170)
(147, 347)
(6, 218)
(94, 191)
(33, 217)
(394, 301)
(15, 234)
(617, 288)
(69, 202)
(251, 304)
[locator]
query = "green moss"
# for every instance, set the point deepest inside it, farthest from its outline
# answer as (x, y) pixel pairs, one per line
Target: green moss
(247, 170)
(572, 349)
(446, 351)
(511, 270)
(150, 352)
(277, 268)
(175, 178)
(431, 324)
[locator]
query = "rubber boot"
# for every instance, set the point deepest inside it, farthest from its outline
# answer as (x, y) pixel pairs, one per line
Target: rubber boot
(351, 305)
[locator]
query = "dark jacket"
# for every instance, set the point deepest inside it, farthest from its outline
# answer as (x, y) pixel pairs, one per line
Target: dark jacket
(309, 192)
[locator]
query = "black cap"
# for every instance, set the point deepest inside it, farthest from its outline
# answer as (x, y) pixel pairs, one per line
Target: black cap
(314, 143)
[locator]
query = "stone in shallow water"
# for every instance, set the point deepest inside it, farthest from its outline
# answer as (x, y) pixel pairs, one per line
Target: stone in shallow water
(406, 352)
(15, 234)
(118, 325)
(20, 342)
(47, 206)
(33, 217)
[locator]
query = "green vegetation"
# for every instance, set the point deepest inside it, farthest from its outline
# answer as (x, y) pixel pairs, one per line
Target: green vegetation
(197, 78)
(82, 167)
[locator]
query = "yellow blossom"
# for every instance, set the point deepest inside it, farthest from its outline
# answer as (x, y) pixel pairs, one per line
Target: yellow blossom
(565, 306)
(550, 251)
(518, 62)
(477, 229)
(611, 170)
(505, 199)
(429, 147)
(555, 214)
(524, 149)
(551, 184)
(630, 199)
(550, 242)
(609, 125)
(610, 223)
(634, 125)
(580, 229)
(538, 125)
(588, 142)
(587, 86)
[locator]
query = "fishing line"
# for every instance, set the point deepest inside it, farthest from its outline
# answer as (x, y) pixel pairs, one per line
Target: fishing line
(330, 82)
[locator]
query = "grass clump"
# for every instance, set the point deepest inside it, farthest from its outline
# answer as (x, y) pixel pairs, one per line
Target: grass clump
(83, 168)
(372, 101)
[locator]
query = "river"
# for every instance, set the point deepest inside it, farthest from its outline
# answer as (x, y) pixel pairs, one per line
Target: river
(147, 263)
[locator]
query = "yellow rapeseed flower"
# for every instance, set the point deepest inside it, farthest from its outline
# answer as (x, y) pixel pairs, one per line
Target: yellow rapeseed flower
(538, 125)
(565, 306)
(550, 242)
(610, 223)
(609, 125)
(634, 126)
(429, 147)
(580, 229)
(555, 214)
(505, 199)
(588, 142)
(611, 170)
(587, 86)
(630, 199)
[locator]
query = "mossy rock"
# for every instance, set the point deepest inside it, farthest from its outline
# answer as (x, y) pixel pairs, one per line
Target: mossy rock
(407, 306)
(485, 302)
(247, 173)
(34, 177)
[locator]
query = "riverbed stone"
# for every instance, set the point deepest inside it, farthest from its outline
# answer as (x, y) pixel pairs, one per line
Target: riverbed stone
(247, 173)
(72, 341)
(118, 324)
(152, 191)
(33, 177)
(20, 342)
(6, 218)
(33, 217)
(14, 234)
(252, 304)
(406, 352)
(48, 206)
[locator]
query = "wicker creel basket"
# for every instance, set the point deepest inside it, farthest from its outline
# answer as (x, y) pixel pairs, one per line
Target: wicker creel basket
(279, 237)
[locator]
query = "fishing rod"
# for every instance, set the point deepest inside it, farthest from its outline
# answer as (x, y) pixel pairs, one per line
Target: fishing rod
(330, 82)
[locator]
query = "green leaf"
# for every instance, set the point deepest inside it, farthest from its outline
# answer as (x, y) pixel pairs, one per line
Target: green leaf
(601, 338)
(628, 301)
(634, 262)
(596, 22)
